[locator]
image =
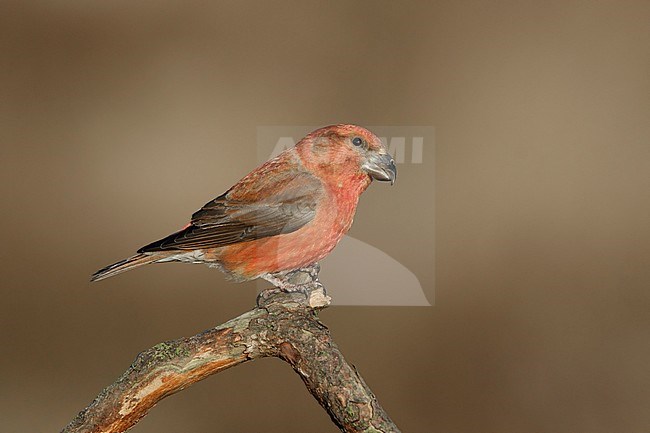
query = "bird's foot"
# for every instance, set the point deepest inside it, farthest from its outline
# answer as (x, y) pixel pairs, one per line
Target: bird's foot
(303, 280)
(297, 280)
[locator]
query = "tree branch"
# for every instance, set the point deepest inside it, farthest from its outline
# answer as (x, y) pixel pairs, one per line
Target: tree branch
(283, 325)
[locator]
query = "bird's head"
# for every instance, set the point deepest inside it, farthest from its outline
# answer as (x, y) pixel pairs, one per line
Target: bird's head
(347, 152)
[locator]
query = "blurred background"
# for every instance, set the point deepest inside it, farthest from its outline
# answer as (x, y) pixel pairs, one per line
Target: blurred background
(119, 119)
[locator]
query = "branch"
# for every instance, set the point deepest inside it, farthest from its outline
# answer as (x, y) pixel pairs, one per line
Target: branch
(284, 325)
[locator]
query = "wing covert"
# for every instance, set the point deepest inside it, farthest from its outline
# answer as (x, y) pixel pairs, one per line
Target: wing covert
(252, 210)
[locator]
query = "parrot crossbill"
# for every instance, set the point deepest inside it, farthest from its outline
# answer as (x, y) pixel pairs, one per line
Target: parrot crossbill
(288, 213)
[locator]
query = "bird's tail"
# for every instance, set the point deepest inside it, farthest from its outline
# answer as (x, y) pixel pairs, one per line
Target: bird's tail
(124, 265)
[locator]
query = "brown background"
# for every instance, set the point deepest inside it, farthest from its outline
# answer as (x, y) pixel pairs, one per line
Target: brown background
(120, 119)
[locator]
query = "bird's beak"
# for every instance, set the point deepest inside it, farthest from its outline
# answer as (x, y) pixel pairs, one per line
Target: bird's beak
(381, 166)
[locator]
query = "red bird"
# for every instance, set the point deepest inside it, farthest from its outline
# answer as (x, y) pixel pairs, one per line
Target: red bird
(288, 213)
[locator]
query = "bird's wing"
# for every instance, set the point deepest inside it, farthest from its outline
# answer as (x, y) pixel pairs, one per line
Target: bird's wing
(260, 207)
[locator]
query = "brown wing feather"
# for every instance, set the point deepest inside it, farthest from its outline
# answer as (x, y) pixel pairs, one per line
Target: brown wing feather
(289, 203)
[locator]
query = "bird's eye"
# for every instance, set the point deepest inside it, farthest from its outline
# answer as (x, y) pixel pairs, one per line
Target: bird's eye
(357, 141)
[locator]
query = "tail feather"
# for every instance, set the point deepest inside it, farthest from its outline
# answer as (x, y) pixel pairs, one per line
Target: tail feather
(124, 265)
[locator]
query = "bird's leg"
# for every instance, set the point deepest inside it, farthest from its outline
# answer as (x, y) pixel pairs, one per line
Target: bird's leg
(295, 280)
(304, 280)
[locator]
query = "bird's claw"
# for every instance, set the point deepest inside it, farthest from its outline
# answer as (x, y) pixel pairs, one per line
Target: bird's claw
(303, 280)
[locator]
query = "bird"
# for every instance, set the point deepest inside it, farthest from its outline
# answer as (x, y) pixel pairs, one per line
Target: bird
(288, 213)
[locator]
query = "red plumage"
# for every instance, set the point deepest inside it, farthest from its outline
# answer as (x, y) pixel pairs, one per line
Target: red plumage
(288, 213)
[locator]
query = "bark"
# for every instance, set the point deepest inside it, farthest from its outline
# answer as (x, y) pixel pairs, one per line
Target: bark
(283, 325)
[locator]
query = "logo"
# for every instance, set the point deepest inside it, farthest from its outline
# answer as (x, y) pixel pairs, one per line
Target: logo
(357, 272)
